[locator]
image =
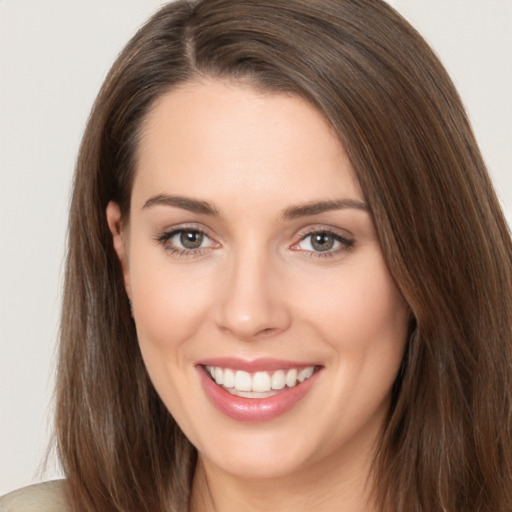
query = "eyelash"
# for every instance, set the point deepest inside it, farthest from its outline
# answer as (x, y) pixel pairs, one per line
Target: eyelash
(164, 238)
(345, 243)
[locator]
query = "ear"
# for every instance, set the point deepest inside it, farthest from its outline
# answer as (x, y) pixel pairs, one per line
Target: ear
(119, 240)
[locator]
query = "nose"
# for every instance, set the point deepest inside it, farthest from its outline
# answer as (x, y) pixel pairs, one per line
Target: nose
(252, 303)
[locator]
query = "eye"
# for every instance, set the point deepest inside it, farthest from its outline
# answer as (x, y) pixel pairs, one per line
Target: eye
(186, 241)
(189, 239)
(320, 242)
(323, 243)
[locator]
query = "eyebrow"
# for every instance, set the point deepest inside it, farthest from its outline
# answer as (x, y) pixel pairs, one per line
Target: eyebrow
(290, 213)
(185, 203)
(315, 208)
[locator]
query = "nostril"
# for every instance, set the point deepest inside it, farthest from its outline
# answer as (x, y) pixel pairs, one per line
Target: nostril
(268, 331)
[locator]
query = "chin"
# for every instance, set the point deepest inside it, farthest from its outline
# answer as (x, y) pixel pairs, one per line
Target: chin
(259, 452)
(255, 465)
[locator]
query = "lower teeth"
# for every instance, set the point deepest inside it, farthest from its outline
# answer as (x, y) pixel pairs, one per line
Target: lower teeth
(250, 394)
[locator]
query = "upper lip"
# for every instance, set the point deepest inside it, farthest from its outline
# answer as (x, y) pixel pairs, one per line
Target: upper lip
(254, 365)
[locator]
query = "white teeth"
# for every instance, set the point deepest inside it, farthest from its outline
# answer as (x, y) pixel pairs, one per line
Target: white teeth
(229, 378)
(291, 378)
(243, 381)
(278, 380)
(259, 382)
(305, 374)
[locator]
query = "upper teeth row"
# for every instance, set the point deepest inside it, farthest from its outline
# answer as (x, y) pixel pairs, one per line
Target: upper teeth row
(259, 381)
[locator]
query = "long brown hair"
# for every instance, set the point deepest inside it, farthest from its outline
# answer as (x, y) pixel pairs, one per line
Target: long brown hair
(447, 446)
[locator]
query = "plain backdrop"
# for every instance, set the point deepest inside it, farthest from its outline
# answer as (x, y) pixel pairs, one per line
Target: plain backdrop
(53, 58)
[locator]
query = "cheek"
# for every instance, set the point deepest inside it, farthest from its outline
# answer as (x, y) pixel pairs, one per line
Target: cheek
(168, 301)
(356, 307)
(169, 305)
(364, 320)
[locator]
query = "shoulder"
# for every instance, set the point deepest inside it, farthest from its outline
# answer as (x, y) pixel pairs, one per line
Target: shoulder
(45, 497)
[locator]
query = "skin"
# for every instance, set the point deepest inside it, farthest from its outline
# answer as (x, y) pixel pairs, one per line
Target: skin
(257, 287)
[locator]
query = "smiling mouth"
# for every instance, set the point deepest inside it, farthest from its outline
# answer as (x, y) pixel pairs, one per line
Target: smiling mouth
(260, 384)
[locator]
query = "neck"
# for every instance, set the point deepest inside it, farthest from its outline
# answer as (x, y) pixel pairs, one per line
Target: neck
(322, 486)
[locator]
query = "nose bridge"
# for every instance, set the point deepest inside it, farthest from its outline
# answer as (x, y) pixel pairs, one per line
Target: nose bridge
(251, 305)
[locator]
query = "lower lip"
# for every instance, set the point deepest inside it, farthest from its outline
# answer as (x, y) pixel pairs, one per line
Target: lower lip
(254, 409)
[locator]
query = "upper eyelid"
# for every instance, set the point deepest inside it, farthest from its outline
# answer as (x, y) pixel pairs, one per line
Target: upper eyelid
(322, 228)
(187, 227)
(336, 236)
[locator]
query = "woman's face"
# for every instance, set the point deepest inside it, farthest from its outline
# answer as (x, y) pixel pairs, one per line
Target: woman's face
(250, 255)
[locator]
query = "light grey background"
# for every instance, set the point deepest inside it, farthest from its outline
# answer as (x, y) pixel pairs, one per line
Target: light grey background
(53, 58)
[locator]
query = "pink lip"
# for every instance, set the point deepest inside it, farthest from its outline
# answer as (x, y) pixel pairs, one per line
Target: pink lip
(256, 365)
(253, 409)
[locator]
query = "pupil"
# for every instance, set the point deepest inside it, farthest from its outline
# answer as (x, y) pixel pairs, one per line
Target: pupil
(322, 242)
(191, 239)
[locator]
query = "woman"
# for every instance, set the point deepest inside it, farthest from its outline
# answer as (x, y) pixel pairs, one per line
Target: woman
(288, 279)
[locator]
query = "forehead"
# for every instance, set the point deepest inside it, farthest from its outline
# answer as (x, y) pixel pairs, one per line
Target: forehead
(219, 137)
